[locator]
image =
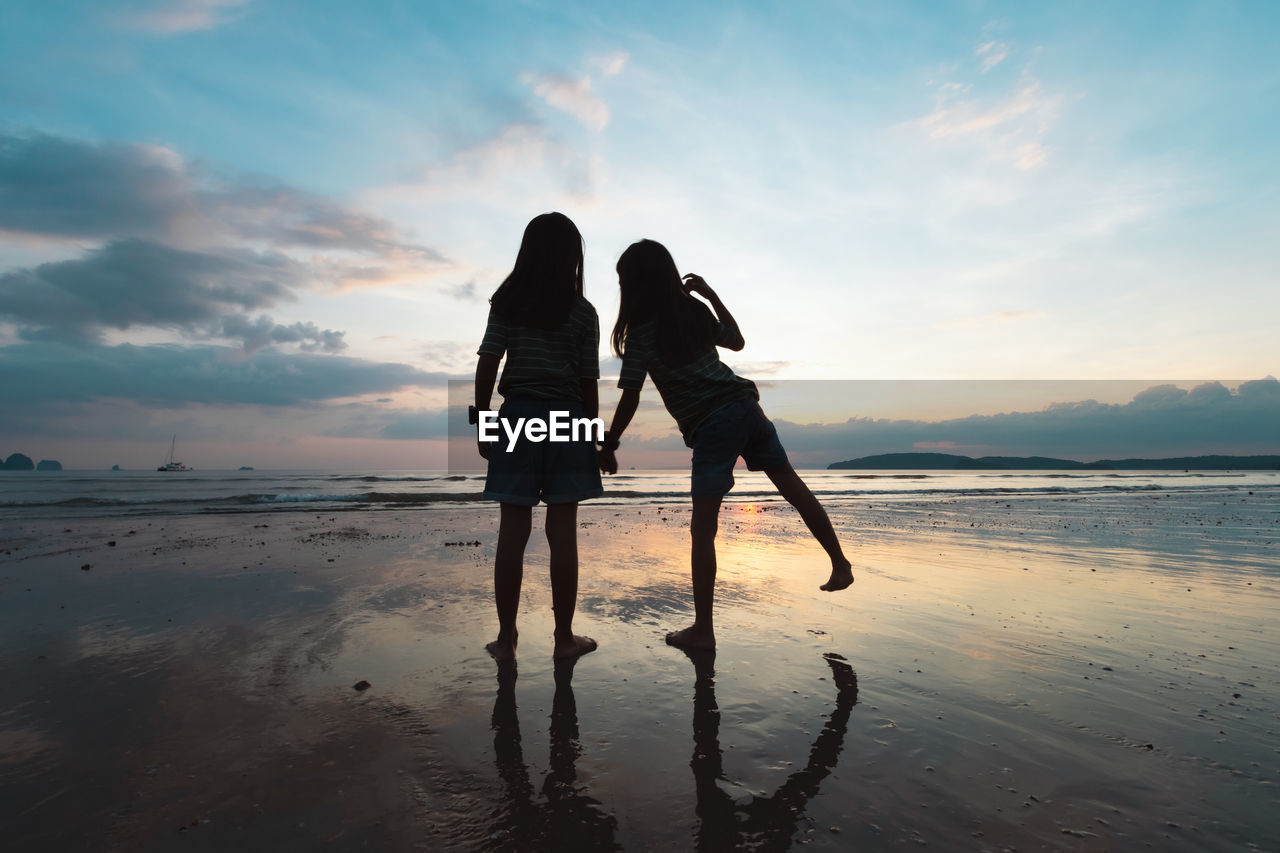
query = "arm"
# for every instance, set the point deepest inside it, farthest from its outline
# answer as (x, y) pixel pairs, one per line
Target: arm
(591, 397)
(622, 416)
(486, 375)
(589, 368)
(696, 284)
(626, 410)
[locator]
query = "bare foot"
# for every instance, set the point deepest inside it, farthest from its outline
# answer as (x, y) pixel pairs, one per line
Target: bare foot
(692, 637)
(841, 578)
(574, 648)
(502, 649)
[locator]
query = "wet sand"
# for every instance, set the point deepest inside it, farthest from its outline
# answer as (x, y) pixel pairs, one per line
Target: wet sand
(1091, 673)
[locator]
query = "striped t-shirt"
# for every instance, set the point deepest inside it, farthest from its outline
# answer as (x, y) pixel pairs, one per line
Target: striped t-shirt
(692, 391)
(549, 364)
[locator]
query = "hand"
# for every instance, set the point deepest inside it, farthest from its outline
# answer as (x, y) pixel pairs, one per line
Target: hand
(697, 284)
(607, 461)
(484, 447)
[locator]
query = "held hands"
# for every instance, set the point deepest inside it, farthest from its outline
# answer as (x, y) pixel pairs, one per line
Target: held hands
(473, 418)
(697, 284)
(607, 461)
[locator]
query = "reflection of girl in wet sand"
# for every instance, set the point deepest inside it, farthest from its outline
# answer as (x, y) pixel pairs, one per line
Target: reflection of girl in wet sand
(570, 818)
(550, 335)
(765, 823)
(663, 332)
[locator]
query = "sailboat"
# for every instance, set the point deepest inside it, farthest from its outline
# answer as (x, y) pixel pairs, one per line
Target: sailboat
(171, 464)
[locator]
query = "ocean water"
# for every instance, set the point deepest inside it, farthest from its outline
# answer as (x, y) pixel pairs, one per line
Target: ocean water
(94, 494)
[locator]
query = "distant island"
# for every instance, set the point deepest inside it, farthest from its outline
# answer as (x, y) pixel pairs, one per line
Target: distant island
(950, 462)
(22, 462)
(246, 467)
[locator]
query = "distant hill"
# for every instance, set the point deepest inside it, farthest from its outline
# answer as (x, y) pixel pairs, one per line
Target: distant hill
(1196, 463)
(950, 462)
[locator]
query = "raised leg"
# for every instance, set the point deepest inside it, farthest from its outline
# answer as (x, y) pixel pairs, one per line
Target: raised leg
(791, 487)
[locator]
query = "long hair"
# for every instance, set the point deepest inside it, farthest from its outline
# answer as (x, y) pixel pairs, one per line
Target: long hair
(548, 273)
(651, 290)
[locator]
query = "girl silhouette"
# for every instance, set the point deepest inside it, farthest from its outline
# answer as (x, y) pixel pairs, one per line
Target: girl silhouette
(550, 335)
(663, 332)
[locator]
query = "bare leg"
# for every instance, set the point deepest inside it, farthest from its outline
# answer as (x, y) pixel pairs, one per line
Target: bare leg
(702, 530)
(798, 495)
(562, 541)
(508, 572)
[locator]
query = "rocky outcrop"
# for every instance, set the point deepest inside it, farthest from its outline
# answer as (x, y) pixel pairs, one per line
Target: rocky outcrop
(22, 462)
(19, 462)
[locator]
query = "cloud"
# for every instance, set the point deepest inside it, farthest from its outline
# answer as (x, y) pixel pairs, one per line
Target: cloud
(132, 283)
(1009, 130)
(988, 319)
(964, 117)
(67, 188)
(392, 267)
(612, 64)
(160, 376)
(1030, 155)
(449, 356)
(164, 225)
(522, 165)
(184, 16)
(992, 54)
(1164, 420)
(572, 95)
(465, 291)
(416, 424)
(220, 435)
(264, 331)
(58, 187)
(763, 369)
(1255, 390)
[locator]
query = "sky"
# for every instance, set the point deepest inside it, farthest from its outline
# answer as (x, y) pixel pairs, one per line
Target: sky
(271, 227)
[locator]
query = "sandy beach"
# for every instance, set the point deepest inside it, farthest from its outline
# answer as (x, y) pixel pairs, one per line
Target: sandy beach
(1060, 673)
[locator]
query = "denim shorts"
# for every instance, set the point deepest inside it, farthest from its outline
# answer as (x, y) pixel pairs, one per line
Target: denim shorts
(738, 429)
(550, 471)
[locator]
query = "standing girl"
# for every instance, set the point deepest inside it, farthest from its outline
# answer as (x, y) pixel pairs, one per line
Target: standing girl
(662, 331)
(550, 335)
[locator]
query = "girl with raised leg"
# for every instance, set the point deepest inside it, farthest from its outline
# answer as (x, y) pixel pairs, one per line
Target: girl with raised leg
(664, 332)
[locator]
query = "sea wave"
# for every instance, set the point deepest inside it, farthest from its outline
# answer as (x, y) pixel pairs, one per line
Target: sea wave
(410, 492)
(258, 499)
(248, 499)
